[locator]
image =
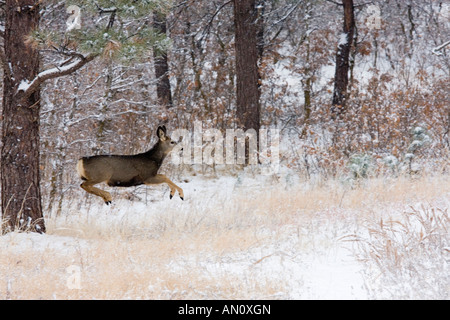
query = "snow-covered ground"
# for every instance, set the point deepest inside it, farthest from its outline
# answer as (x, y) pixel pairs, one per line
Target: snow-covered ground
(240, 238)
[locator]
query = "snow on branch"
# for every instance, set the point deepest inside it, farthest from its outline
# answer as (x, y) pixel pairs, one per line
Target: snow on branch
(29, 87)
(439, 48)
(291, 10)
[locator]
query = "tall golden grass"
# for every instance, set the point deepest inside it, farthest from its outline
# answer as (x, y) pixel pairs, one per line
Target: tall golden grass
(201, 248)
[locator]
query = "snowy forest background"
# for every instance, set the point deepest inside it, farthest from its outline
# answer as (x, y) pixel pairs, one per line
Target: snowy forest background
(397, 119)
(393, 134)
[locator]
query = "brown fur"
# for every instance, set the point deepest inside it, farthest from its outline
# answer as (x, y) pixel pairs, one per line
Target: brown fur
(128, 170)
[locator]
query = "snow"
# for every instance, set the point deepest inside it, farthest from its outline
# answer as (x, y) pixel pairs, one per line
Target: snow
(21, 242)
(24, 85)
(213, 235)
(437, 49)
(58, 69)
(343, 39)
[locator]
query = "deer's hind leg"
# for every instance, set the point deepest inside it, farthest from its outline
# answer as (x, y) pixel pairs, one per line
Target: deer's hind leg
(88, 186)
(160, 178)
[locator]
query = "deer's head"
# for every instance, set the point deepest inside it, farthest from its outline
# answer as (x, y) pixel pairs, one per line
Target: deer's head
(165, 143)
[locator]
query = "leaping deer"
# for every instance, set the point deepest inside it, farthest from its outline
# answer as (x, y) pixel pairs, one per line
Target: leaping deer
(128, 170)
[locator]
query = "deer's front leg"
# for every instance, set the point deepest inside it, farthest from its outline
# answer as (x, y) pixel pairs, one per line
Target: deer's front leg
(160, 178)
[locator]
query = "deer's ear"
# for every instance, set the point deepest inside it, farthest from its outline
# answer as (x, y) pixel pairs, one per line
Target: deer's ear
(161, 133)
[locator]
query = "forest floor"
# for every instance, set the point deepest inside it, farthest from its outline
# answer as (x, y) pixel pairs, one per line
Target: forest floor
(241, 238)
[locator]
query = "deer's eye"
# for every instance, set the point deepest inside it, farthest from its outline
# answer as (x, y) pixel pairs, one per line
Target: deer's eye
(172, 142)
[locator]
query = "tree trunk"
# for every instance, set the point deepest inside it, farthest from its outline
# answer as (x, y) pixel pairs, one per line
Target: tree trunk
(163, 89)
(20, 176)
(308, 73)
(261, 9)
(247, 74)
(342, 60)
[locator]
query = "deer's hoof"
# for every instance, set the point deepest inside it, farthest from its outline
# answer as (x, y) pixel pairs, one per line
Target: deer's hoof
(170, 197)
(182, 198)
(108, 202)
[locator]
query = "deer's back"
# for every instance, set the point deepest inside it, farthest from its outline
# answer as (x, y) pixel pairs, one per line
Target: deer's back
(117, 170)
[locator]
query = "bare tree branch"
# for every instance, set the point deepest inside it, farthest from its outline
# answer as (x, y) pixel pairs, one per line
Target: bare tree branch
(207, 29)
(29, 88)
(286, 16)
(337, 3)
(439, 48)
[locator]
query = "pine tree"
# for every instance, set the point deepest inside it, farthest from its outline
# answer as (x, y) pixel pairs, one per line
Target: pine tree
(21, 196)
(77, 46)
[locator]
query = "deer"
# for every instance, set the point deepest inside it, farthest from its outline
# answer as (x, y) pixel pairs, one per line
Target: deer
(128, 170)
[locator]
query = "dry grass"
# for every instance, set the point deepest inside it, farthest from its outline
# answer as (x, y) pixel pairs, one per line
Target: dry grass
(408, 254)
(211, 246)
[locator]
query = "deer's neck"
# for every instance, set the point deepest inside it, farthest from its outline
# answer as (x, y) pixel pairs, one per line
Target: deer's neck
(156, 154)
